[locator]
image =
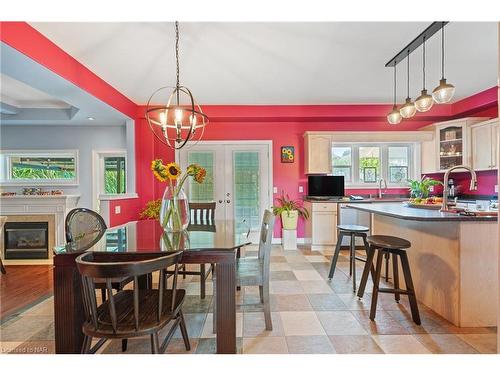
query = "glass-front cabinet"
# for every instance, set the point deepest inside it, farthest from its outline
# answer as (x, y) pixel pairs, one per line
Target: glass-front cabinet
(453, 143)
(451, 146)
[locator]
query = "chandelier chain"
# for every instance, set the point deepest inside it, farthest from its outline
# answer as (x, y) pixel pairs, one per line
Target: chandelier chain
(177, 52)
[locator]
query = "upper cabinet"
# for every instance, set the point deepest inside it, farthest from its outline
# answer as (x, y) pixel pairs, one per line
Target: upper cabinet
(452, 145)
(484, 137)
(318, 148)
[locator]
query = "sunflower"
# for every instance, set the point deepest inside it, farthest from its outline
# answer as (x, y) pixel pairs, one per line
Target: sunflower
(172, 171)
(200, 175)
(159, 170)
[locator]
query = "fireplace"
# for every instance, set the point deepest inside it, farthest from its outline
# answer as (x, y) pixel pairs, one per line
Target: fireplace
(26, 240)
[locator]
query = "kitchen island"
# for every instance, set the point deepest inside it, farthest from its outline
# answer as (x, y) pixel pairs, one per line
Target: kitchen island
(453, 259)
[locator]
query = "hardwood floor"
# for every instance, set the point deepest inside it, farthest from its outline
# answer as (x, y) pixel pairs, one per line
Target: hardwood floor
(23, 285)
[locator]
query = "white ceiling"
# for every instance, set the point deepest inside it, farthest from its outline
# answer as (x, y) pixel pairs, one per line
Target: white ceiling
(278, 63)
(21, 95)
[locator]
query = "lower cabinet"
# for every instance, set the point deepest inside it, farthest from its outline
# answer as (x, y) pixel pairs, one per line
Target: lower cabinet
(321, 227)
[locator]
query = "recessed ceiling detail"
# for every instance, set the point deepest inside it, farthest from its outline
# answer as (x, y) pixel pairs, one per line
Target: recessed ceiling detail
(32, 94)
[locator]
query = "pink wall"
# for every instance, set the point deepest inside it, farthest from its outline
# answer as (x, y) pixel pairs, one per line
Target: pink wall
(284, 125)
(486, 181)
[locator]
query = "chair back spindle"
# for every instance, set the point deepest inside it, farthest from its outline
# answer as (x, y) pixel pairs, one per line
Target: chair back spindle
(91, 269)
(202, 213)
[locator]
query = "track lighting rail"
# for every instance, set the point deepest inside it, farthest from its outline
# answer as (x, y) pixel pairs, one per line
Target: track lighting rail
(417, 42)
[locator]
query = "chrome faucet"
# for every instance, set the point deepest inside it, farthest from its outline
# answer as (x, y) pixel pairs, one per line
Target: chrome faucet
(473, 183)
(380, 194)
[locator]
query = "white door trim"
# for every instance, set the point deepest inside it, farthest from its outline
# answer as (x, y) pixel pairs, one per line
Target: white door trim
(268, 143)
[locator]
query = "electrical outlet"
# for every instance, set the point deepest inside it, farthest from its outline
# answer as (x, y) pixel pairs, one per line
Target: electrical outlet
(117, 209)
(275, 190)
(496, 188)
(301, 189)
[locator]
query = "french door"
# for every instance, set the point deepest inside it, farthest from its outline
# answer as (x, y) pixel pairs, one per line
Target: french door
(238, 180)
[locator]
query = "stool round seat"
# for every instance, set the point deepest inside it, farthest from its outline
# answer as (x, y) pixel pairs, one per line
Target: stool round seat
(352, 228)
(388, 242)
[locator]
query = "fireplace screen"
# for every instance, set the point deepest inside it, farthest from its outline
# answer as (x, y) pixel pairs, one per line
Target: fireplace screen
(26, 240)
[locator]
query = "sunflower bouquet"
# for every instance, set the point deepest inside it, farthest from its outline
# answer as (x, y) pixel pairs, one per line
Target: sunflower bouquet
(174, 211)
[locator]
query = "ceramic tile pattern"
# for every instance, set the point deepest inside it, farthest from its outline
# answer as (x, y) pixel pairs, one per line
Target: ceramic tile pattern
(310, 314)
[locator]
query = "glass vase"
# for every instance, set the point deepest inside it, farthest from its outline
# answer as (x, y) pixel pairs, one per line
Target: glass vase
(174, 211)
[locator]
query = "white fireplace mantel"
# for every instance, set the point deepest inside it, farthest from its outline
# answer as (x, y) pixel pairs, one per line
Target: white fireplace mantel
(57, 205)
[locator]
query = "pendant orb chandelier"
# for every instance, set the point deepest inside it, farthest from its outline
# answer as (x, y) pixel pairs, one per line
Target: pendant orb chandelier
(394, 117)
(408, 109)
(445, 91)
(425, 101)
(180, 119)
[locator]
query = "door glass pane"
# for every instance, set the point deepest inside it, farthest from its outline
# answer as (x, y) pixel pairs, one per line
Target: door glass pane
(114, 175)
(398, 163)
(342, 162)
(369, 164)
(246, 169)
(202, 192)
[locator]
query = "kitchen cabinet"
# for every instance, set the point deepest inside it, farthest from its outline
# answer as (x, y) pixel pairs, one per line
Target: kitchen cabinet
(321, 227)
(484, 138)
(428, 156)
(452, 145)
(453, 142)
(317, 149)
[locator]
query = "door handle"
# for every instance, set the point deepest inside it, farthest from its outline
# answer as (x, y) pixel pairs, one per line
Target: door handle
(228, 201)
(220, 200)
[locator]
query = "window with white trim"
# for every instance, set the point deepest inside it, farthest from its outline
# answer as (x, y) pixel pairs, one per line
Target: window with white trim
(40, 168)
(364, 164)
(112, 172)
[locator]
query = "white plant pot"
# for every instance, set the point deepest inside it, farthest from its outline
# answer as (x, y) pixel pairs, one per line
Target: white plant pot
(289, 219)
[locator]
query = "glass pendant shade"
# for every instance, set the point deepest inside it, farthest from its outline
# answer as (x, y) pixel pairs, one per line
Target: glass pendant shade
(408, 109)
(424, 102)
(394, 117)
(444, 92)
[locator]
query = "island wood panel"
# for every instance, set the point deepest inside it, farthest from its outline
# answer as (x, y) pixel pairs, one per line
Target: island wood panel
(434, 261)
(478, 272)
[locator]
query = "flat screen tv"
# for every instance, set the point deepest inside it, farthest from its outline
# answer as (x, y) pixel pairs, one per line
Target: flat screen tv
(325, 186)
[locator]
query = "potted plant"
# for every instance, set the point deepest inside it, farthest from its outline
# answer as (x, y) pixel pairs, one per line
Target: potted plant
(420, 189)
(290, 210)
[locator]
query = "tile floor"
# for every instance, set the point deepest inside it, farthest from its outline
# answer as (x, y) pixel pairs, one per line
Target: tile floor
(310, 315)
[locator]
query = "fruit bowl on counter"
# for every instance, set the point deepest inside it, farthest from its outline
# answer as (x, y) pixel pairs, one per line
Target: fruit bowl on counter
(431, 203)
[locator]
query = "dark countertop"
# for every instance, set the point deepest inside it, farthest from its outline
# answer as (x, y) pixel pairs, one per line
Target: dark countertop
(350, 201)
(400, 211)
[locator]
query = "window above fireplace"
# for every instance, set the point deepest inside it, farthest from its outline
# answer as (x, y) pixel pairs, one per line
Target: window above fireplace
(38, 168)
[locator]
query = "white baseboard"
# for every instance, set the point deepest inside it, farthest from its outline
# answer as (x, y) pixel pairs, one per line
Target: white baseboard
(300, 241)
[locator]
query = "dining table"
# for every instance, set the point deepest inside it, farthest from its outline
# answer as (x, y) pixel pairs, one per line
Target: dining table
(216, 244)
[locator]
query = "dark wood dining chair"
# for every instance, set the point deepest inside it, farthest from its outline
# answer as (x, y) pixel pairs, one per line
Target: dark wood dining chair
(84, 228)
(3, 219)
(255, 271)
(202, 219)
(131, 313)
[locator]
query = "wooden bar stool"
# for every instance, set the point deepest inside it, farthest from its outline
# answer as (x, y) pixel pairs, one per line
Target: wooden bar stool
(397, 247)
(352, 231)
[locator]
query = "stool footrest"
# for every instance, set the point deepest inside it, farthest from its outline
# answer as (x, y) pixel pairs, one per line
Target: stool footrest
(392, 291)
(361, 259)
